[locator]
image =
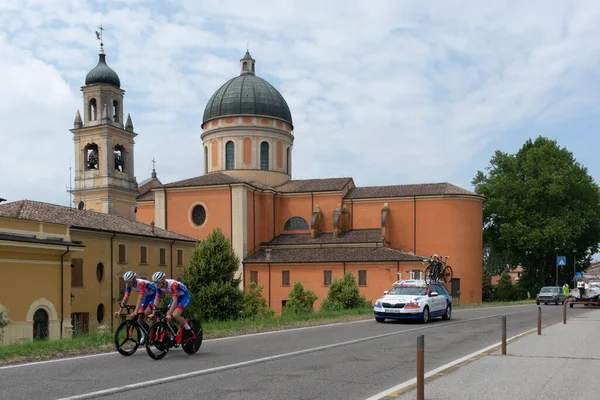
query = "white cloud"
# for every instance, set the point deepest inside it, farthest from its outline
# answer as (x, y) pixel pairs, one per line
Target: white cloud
(388, 94)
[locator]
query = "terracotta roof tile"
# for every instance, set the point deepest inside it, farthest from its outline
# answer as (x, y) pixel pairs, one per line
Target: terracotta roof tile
(349, 237)
(55, 214)
(216, 178)
(331, 254)
(314, 185)
(148, 186)
(424, 189)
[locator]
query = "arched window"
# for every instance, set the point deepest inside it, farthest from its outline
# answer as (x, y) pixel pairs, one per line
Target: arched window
(245, 66)
(296, 224)
(205, 159)
(116, 111)
(264, 156)
(92, 109)
(119, 152)
(229, 155)
(91, 156)
(288, 161)
(40, 325)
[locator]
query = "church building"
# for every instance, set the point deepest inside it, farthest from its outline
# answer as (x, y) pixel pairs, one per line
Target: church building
(284, 230)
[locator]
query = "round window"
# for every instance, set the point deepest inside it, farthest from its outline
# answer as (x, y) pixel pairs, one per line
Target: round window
(100, 313)
(198, 215)
(100, 272)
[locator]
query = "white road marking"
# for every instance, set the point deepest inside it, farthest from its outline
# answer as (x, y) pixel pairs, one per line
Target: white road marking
(172, 378)
(236, 337)
(445, 367)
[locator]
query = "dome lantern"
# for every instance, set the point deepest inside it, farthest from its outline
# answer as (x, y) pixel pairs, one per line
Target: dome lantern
(247, 64)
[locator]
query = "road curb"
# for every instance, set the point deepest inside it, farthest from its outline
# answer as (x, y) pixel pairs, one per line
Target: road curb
(450, 367)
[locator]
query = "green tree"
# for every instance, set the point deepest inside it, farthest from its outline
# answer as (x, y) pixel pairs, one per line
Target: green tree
(505, 290)
(487, 289)
(344, 294)
(254, 305)
(301, 301)
(210, 278)
(536, 200)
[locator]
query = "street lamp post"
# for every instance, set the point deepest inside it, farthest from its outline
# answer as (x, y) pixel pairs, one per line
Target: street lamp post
(574, 268)
(556, 263)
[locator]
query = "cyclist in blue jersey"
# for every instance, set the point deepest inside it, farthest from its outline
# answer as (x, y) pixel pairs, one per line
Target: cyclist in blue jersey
(148, 292)
(180, 300)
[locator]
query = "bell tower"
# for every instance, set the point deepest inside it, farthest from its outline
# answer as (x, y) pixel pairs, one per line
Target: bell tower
(104, 145)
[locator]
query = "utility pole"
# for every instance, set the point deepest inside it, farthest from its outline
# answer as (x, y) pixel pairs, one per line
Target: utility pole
(556, 263)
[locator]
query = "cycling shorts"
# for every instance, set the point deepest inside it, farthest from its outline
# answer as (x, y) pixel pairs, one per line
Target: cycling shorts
(148, 300)
(182, 302)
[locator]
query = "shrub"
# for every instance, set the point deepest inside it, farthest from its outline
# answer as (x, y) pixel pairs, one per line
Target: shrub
(254, 305)
(4, 322)
(210, 278)
(505, 290)
(487, 289)
(301, 301)
(344, 295)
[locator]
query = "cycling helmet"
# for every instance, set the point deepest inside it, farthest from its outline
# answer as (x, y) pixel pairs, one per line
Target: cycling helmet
(158, 276)
(129, 275)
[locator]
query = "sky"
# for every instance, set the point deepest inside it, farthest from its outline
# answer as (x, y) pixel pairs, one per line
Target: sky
(386, 92)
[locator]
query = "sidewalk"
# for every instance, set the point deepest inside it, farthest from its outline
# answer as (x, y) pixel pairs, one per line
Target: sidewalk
(561, 363)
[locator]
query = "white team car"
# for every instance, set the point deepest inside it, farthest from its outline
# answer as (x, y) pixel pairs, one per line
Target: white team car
(414, 300)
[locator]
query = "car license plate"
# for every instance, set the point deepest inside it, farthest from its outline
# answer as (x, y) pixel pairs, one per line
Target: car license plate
(393, 310)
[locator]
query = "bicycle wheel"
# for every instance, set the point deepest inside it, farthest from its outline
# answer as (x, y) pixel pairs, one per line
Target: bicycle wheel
(447, 274)
(158, 338)
(428, 275)
(193, 346)
(128, 333)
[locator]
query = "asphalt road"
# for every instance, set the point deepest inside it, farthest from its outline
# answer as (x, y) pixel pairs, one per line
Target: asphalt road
(343, 361)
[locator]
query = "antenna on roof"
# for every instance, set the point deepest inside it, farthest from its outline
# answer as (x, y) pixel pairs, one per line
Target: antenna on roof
(70, 189)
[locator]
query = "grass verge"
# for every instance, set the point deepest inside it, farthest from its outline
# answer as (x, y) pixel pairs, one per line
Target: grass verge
(93, 343)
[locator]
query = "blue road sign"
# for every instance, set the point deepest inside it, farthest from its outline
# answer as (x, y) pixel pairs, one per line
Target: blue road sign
(579, 275)
(561, 261)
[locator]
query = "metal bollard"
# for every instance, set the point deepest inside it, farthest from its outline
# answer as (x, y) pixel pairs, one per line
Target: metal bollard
(421, 367)
(565, 312)
(539, 320)
(504, 334)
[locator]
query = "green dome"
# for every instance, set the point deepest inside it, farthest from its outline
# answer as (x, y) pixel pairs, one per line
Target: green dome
(102, 73)
(247, 94)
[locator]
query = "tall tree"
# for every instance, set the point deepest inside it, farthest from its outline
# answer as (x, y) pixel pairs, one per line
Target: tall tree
(537, 200)
(211, 280)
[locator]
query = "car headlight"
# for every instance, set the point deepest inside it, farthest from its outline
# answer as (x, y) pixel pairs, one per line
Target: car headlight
(378, 303)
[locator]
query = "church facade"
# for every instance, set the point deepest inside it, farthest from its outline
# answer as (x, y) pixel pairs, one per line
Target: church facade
(283, 230)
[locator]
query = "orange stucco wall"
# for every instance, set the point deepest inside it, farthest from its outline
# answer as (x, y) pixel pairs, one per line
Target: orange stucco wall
(215, 154)
(251, 222)
(379, 278)
(400, 221)
(288, 207)
(264, 218)
(453, 227)
(218, 212)
(247, 152)
(279, 154)
(302, 206)
(145, 212)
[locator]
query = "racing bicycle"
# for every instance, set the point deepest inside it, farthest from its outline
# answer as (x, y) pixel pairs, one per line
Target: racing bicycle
(162, 337)
(438, 271)
(130, 331)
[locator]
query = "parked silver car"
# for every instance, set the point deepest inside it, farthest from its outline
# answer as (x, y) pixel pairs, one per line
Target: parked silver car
(550, 294)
